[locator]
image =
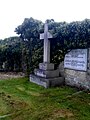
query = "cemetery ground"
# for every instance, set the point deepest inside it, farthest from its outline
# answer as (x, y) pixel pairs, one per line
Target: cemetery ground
(22, 100)
(10, 75)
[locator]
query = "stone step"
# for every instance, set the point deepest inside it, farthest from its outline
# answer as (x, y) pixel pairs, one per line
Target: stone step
(47, 74)
(50, 82)
(46, 66)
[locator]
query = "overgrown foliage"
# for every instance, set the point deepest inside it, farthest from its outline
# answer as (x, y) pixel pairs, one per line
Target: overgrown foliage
(26, 51)
(10, 54)
(29, 32)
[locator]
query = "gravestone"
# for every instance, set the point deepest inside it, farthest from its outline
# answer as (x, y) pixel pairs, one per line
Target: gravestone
(46, 75)
(77, 67)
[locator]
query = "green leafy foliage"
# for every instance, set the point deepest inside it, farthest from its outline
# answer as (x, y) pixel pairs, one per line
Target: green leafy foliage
(10, 54)
(29, 32)
(26, 51)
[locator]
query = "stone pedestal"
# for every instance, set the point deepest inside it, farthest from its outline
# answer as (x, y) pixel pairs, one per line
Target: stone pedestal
(46, 66)
(46, 73)
(46, 76)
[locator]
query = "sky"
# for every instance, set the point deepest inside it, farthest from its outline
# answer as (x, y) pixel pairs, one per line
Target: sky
(13, 12)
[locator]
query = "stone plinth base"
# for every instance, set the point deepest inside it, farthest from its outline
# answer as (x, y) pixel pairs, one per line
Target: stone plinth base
(46, 76)
(46, 73)
(47, 82)
(46, 66)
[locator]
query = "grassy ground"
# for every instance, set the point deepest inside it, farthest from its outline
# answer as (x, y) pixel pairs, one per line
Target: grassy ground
(22, 100)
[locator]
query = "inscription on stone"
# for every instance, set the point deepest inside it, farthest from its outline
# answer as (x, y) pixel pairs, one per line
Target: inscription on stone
(76, 59)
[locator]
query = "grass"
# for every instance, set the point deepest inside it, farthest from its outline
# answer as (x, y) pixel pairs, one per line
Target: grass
(22, 100)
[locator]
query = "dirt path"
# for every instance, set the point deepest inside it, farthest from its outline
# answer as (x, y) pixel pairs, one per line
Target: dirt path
(10, 75)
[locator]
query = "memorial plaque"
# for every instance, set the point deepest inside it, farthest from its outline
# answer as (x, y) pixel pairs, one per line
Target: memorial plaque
(76, 59)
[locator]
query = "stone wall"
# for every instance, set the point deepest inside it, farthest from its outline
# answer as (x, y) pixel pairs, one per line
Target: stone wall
(77, 78)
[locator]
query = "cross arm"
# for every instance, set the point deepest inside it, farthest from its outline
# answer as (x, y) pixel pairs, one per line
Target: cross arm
(49, 35)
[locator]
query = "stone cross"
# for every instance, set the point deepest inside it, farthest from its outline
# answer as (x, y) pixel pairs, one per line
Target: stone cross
(45, 36)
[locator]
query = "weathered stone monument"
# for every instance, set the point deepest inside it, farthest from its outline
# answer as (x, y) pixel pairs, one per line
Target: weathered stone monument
(46, 75)
(77, 68)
